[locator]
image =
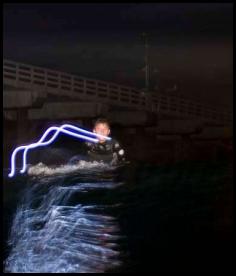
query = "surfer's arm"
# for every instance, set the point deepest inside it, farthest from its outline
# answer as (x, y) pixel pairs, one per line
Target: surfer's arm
(118, 152)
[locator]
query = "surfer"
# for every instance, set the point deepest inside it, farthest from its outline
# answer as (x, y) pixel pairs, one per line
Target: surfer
(107, 151)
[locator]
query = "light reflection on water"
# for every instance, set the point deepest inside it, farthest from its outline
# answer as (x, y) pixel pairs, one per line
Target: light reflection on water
(171, 218)
(53, 232)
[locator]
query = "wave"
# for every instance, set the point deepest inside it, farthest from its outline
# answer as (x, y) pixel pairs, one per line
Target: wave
(54, 232)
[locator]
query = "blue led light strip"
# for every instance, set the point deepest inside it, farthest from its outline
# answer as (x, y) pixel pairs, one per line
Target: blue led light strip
(41, 143)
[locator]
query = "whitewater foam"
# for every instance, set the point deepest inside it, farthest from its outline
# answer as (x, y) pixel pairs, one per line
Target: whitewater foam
(42, 169)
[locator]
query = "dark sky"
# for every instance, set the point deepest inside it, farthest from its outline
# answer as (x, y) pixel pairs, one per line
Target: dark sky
(191, 45)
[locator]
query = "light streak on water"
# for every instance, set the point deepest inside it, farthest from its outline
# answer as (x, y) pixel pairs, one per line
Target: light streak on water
(52, 233)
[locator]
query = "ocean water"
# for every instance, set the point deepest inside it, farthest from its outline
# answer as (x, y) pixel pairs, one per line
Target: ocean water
(136, 218)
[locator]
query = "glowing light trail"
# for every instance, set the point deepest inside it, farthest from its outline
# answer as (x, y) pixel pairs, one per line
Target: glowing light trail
(41, 143)
(54, 137)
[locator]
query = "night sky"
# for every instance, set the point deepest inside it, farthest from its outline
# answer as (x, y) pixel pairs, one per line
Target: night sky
(191, 45)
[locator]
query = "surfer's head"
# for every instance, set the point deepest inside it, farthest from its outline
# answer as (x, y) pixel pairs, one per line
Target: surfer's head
(102, 127)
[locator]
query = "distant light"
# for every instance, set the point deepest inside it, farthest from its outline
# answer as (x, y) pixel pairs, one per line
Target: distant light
(41, 143)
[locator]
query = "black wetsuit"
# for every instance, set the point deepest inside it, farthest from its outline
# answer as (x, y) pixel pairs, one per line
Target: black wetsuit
(108, 152)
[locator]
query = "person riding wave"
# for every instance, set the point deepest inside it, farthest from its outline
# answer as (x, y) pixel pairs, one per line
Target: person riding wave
(107, 151)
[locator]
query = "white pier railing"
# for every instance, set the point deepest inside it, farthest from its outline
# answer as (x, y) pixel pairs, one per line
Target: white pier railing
(62, 84)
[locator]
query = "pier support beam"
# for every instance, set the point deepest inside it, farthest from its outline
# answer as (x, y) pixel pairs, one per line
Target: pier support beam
(22, 126)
